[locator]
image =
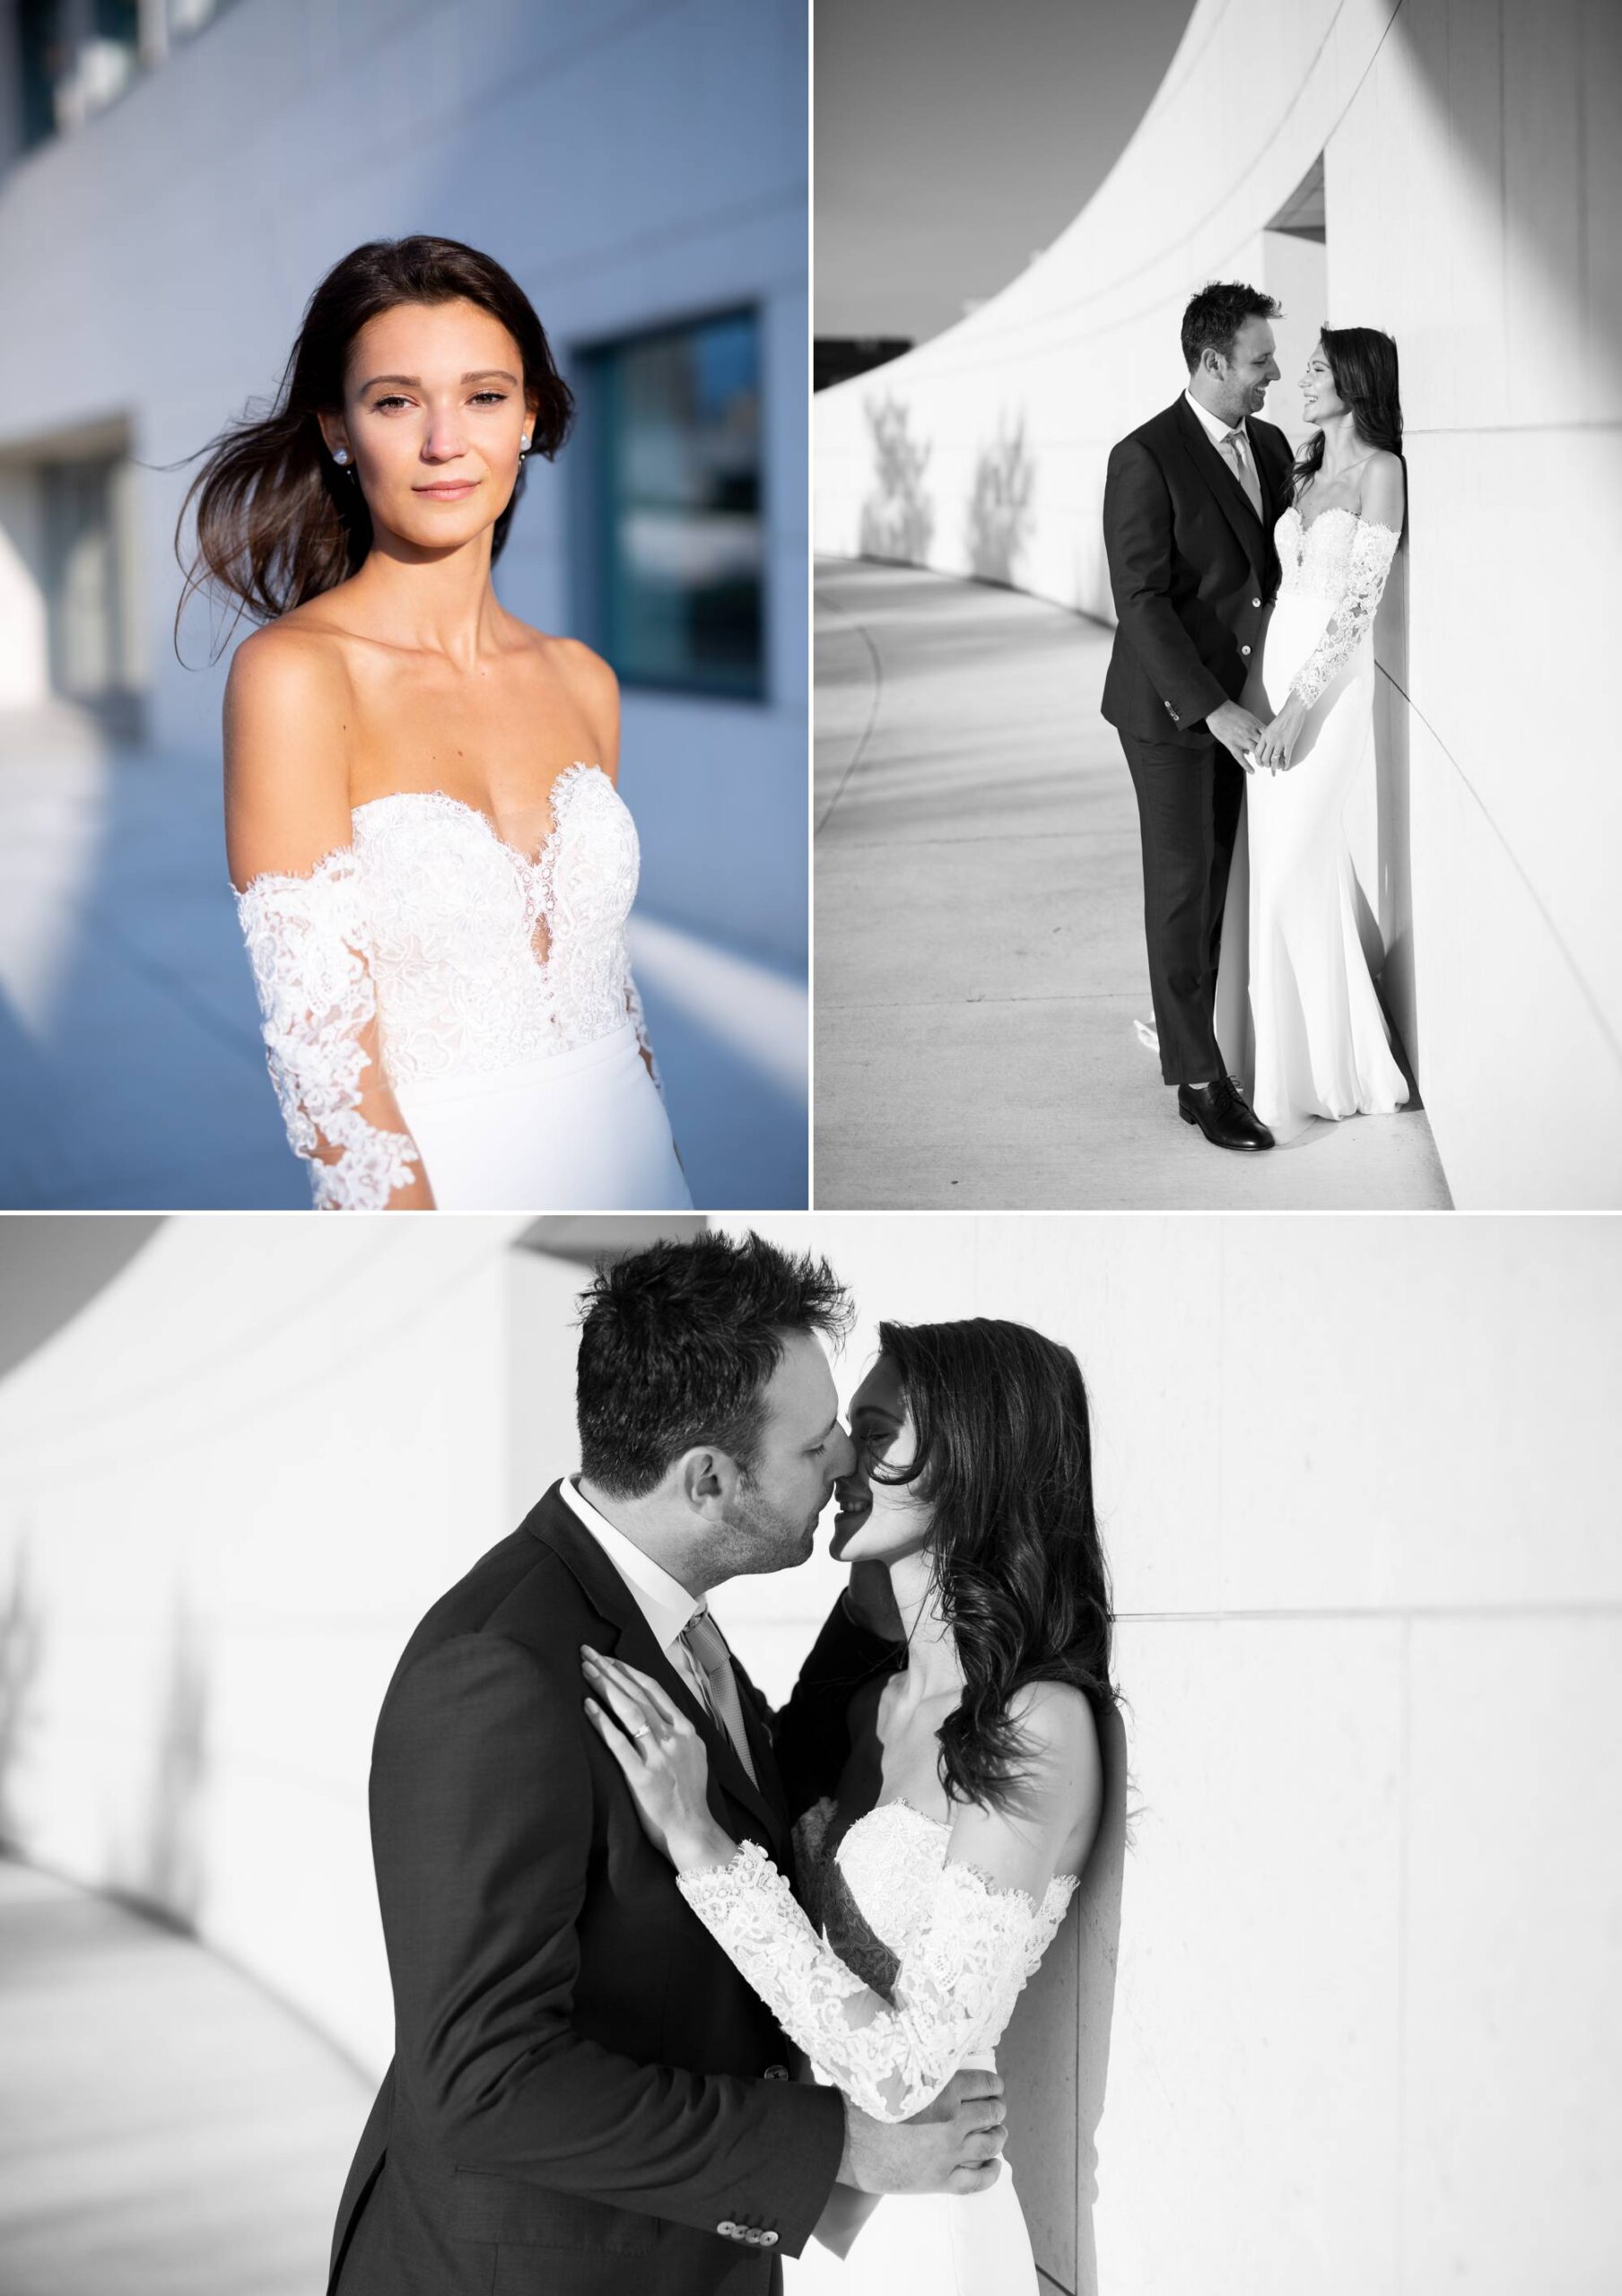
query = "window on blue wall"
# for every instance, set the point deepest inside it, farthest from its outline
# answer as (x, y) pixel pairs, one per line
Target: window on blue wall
(678, 543)
(44, 55)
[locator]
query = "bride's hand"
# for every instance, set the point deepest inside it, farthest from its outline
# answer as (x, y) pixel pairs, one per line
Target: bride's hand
(663, 1758)
(1273, 751)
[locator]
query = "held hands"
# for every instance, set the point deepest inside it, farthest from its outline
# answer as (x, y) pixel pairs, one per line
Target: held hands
(1273, 751)
(663, 1758)
(1237, 730)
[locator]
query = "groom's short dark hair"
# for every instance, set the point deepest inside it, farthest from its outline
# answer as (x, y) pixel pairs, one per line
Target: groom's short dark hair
(1216, 315)
(677, 1343)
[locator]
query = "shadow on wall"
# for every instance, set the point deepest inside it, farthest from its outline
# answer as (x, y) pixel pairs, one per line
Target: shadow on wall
(1388, 941)
(897, 518)
(21, 1643)
(1056, 2054)
(998, 522)
(160, 1869)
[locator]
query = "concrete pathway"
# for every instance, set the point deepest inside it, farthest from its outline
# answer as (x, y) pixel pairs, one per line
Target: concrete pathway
(168, 2130)
(979, 954)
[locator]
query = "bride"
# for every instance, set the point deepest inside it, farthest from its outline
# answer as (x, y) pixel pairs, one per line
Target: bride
(1315, 1041)
(432, 864)
(940, 1870)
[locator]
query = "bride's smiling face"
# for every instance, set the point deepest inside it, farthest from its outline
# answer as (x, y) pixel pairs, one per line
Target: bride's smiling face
(878, 1521)
(432, 419)
(1320, 400)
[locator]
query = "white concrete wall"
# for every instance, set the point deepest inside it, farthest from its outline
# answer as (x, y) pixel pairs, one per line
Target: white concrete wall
(1471, 176)
(228, 1491)
(1340, 2018)
(629, 164)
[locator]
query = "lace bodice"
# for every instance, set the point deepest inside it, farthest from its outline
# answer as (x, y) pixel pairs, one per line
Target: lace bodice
(1343, 559)
(467, 955)
(921, 1962)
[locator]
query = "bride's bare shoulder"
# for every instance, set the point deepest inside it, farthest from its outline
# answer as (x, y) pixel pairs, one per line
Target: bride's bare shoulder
(586, 684)
(288, 712)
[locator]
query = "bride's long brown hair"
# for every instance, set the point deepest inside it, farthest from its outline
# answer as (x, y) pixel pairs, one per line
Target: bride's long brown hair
(277, 521)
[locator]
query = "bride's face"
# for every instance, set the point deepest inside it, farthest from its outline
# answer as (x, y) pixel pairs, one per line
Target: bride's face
(1319, 397)
(433, 419)
(879, 1522)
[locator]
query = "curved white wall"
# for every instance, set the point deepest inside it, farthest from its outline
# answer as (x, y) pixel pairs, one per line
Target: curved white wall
(1472, 176)
(1340, 2019)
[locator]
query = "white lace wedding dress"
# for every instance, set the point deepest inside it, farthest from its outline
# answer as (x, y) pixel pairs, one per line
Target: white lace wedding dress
(1309, 1038)
(497, 991)
(915, 1974)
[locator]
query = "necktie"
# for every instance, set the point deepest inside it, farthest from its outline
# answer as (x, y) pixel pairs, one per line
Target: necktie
(702, 1639)
(1233, 446)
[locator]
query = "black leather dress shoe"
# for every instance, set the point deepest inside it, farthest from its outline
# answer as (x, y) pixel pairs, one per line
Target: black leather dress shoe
(1223, 1113)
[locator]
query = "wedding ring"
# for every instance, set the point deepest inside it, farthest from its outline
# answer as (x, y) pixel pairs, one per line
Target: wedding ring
(645, 1731)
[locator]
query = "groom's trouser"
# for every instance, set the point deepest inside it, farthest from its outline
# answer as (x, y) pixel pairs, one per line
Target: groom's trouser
(1188, 811)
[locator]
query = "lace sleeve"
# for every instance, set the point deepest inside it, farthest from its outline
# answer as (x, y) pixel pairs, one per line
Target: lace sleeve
(633, 1006)
(954, 1992)
(307, 943)
(1373, 547)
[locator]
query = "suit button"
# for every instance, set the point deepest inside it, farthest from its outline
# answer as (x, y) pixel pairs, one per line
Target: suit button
(768, 2239)
(1244, 649)
(777, 2072)
(729, 2229)
(1255, 602)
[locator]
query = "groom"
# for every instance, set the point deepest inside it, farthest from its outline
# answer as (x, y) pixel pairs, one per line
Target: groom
(586, 2098)
(1190, 501)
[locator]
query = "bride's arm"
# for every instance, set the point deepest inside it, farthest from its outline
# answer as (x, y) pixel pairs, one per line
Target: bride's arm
(1373, 547)
(965, 1967)
(299, 899)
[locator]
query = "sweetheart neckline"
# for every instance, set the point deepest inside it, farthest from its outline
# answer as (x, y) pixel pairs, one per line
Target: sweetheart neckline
(944, 1825)
(443, 797)
(1291, 509)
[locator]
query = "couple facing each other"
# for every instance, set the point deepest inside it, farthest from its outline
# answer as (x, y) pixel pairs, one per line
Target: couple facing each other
(678, 1980)
(432, 863)
(1242, 685)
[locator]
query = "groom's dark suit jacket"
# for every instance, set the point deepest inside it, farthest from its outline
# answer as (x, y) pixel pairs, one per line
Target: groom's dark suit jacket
(1192, 569)
(585, 2096)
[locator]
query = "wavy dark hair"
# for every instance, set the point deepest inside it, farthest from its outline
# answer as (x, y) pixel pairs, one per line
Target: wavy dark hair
(1004, 1463)
(1364, 364)
(277, 523)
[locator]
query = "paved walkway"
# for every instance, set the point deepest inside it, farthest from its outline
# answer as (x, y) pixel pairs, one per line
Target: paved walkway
(980, 932)
(168, 2130)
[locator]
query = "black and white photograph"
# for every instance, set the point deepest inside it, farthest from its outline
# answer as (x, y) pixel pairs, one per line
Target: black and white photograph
(1216, 477)
(966, 1755)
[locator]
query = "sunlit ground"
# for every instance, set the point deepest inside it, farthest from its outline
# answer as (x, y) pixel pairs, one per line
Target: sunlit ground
(169, 2130)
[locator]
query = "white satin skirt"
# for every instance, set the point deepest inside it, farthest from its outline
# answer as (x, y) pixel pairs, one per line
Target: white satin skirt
(1297, 1014)
(922, 2244)
(577, 1131)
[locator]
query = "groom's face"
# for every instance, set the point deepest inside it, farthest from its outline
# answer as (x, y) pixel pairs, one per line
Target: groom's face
(1250, 369)
(772, 1518)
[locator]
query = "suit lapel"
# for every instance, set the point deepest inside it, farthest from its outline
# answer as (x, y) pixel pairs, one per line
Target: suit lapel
(1222, 485)
(627, 1636)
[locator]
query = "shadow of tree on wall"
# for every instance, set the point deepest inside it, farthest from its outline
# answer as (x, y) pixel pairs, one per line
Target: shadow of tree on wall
(161, 1868)
(897, 518)
(998, 523)
(22, 1645)
(1055, 2056)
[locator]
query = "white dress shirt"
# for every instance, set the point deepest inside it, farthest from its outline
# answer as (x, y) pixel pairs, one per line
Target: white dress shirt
(664, 1602)
(1219, 432)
